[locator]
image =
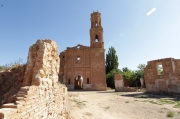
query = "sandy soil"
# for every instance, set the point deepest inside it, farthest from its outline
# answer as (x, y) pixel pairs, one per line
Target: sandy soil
(118, 105)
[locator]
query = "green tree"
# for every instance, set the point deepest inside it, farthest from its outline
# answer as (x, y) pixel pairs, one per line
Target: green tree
(127, 74)
(140, 71)
(133, 76)
(125, 69)
(139, 74)
(111, 60)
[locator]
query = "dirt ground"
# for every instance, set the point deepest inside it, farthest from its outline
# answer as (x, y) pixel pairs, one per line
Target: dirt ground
(121, 105)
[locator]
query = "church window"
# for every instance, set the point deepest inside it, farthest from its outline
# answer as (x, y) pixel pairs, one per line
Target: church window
(78, 59)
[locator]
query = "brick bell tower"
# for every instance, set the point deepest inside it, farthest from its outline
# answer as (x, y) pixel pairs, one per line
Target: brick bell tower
(96, 31)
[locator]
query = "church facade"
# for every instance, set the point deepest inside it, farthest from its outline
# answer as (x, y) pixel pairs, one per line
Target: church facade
(83, 67)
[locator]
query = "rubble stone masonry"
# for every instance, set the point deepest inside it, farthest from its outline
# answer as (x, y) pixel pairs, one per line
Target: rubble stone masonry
(41, 95)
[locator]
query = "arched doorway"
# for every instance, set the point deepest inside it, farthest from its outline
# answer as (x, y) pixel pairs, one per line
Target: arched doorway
(78, 82)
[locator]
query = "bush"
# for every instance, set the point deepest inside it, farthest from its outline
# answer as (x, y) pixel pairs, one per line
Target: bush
(12, 65)
(170, 114)
(133, 76)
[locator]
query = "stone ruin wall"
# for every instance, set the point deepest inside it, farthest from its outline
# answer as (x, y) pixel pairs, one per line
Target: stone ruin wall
(41, 95)
(169, 81)
(10, 83)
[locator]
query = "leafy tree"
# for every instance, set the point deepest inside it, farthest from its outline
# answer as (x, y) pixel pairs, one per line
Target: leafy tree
(125, 69)
(126, 73)
(110, 77)
(133, 76)
(140, 71)
(111, 60)
(139, 74)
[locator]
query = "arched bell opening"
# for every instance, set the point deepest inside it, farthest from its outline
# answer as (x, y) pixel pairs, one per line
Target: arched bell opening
(96, 39)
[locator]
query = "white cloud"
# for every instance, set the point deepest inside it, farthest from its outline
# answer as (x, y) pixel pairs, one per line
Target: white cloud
(151, 11)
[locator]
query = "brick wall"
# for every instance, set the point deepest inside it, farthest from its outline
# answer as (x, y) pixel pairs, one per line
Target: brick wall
(41, 95)
(168, 81)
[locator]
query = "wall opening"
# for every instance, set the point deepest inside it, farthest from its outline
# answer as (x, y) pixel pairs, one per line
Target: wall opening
(96, 38)
(159, 69)
(87, 80)
(78, 82)
(69, 81)
(78, 59)
(78, 47)
(63, 56)
(96, 24)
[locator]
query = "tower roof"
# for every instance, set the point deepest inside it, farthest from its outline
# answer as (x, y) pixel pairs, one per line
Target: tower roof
(95, 14)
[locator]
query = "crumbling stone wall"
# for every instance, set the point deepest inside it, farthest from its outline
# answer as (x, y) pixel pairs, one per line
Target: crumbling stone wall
(168, 80)
(10, 83)
(41, 95)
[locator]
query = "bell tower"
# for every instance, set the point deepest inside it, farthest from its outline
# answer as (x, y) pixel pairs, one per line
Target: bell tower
(96, 31)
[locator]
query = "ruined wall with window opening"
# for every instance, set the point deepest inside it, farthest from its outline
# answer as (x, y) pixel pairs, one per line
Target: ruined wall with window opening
(163, 75)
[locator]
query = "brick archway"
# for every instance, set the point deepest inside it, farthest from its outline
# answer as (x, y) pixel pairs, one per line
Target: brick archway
(78, 82)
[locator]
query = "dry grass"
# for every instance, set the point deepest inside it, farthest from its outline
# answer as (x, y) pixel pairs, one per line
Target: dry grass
(170, 114)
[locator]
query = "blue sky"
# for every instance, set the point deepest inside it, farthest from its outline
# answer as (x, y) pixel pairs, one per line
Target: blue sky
(140, 30)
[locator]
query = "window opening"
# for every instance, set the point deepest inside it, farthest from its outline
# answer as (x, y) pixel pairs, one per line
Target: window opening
(69, 81)
(87, 80)
(78, 47)
(160, 69)
(96, 38)
(78, 59)
(63, 56)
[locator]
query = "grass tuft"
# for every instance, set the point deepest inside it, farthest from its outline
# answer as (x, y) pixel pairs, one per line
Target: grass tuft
(106, 107)
(12, 65)
(177, 104)
(170, 114)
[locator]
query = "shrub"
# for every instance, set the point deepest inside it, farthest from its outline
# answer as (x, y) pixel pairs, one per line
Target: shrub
(12, 65)
(170, 114)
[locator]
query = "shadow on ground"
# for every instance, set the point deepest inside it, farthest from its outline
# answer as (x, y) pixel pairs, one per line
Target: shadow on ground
(108, 91)
(153, 96)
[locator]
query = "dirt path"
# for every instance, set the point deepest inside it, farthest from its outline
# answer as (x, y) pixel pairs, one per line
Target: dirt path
(116, 105)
